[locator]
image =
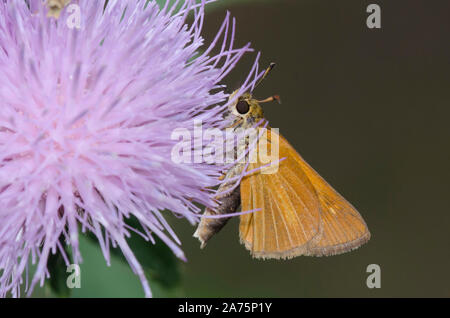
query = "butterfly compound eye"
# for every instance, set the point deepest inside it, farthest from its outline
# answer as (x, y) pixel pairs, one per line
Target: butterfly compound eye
(242, 107)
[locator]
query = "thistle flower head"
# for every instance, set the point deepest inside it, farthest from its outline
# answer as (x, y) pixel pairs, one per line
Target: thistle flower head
(86, 119)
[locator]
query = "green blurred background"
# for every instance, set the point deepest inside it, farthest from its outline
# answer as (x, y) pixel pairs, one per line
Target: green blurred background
(368, 109)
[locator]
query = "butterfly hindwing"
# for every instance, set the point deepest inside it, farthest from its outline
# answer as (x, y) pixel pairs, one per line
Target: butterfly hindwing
(289, 216)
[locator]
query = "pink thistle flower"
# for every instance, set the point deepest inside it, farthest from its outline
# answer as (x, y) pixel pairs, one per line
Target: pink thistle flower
(86, 122)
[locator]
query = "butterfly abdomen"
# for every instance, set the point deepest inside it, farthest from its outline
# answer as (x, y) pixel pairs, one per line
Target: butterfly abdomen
(229, 196)
(210, 226)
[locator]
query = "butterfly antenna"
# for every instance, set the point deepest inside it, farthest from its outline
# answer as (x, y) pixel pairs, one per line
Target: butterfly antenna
(271, 99)
(271, 66)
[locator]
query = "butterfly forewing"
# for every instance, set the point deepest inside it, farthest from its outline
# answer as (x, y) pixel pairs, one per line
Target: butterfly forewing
(301, 214)
(343, 228)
